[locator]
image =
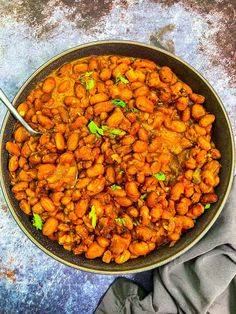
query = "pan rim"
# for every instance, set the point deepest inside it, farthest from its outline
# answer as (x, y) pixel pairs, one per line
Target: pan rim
(152, 265)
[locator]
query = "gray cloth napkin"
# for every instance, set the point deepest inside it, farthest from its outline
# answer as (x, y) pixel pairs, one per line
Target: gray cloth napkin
(200, 281)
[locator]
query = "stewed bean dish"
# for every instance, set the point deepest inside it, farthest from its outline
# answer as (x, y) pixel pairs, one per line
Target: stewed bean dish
(125, 162)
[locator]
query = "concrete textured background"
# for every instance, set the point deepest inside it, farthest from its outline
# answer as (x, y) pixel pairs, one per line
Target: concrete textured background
(32, 31)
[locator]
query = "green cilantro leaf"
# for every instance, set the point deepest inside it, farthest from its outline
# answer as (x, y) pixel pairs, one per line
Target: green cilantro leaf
(160, 176)
(115, 187)
(88, 73)
(194, 220)
(37, 222)
(90, 84)
(120, 221)
(134, 110)
(94, 129)
(207, 206)
(133, 59)
(118, 102)
(120, 78)
(112, 132)
(92, 215)
(143, 196)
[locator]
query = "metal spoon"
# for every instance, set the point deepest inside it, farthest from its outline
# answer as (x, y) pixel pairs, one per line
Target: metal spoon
(15, 113)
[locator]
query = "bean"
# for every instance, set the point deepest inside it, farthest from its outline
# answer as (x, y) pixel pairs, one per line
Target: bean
(98, 98)
(63, 86)
(176, 191)
(73, 141)
(78, 123)
(46, 170)
(94, 250)
(21, 134)
(106, 106)
(144, 104)
(102, 241)
(105, 74)
(182, 103)
(132, 211)
(197, 210)
(80, 91)
(144, 214)
(166, 74)
(25, 207)
(60, 141)
(50, 226)
(110, 174)
(187, 222)
(198, 111)
(144, 233)
(207, 120)
(209, 198)
(71, 101)
(47, 204)
(128, 222)
(23, 108)
(115, 118)
(139, 248)
(37, 208)
(141, 91)
(107, 257)
(81, 207)
(13, 149)
(120, 259)
(183, 205)
(196, 98)
(124, 201)
(20, 186)
(80, 68)
(152, 199)
(186, 115)
(13, 163)
(156, 212)
(45, 122)
(95, 170)
(48, 85)
(203, 143)
(140, 146)
(96, 186)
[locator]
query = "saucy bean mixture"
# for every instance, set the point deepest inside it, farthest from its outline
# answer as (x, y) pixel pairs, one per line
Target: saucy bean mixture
(125, 162)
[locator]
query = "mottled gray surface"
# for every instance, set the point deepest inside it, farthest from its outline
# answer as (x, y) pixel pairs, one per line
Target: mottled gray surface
(31, 32)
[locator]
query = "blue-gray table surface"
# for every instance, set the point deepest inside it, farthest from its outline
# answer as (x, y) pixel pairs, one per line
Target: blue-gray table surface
(32, 31)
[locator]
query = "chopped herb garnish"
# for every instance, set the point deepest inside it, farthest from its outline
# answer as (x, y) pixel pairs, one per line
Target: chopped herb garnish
(207, 206)
(134, 110)
(112, 132)
(119, 103)
(135, 222)
(88, 73)
(143, 196)
(133, 59)
(120, 78)
(160, 176)
(93, 217)
(94, 129)
(90, 84)
(115, 187)
(121, 171)
(194, 220)
(37, 222)
(120, 221)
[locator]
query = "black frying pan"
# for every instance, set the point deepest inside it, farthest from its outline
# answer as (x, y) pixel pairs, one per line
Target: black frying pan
(222, 136)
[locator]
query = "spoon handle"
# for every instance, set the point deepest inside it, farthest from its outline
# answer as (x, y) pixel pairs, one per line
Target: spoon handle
(15, 113)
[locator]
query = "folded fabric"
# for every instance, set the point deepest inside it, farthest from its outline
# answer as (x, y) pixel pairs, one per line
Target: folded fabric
(200, 281)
